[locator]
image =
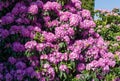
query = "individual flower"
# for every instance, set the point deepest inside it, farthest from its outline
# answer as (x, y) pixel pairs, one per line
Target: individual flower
(49, 37)
(30, 44)
(44, 57)
(33, 9)
(19, 74)
(18, 47)
(54, 23)
(64, 57)
(78, 5)
(118, 38)
(50, 70)
(74, 20)
(46, 66)
(67, 39)
(73, 56)
(29, 70)
(80, 67)
(20, 65)
(15, 29)
(108, 26)
(25, 32)
(4, 33)
(8, 77)
(35, 63)
(78, 76)
(19, 20)
(39, 4)
(51, 6)
(52, 59)
(106, 69)
(12, 60)
(75, 1)
(86, 24)
(37, 29)
(117, 54)
(64, 16)
(63, 67)
(86, 13)
(9, 18)
(40, 46)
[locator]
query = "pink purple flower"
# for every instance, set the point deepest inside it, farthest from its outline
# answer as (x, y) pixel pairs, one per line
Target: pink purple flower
(33, 9)
(63, 67)
(30, 44)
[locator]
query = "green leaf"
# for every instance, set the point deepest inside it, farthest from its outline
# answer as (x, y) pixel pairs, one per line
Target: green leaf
(65, 76)
(56, 69)
(61, 74)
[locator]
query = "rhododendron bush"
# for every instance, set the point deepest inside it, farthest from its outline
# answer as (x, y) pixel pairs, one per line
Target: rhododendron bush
(49, 41)
(108, 26)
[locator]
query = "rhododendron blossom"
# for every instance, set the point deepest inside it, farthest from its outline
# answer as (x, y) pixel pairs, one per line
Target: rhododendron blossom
(44, 40)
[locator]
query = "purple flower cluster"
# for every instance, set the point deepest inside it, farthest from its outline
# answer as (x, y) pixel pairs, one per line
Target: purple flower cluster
(4, 33)
(33, 9)
(5, 4)
(48, 39)
(51, 6)
(63, 67)
(17, 47)
(18, 71)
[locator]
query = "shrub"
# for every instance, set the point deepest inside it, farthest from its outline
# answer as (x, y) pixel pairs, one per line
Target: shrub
(108, 26)
(49, 41)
